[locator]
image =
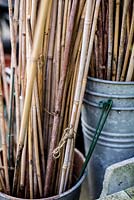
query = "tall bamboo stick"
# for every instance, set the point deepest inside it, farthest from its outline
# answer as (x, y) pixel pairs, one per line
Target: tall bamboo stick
(30, 155)
(116, 39)
(23, 167)
(20, 42)
(3, 187)
(50, 82)
(106, 36)
(59, 29)
(100, 45)
(122, 39)
(15, 17)
(37, 160)
(41, 142)
(129, 47)
(4, 143)
(34, 15)
(128, 23)
(110, 40)
(5, 85)
(13, 67)
(64, 29)
(24, 50)
(130, 67)
(35, 181)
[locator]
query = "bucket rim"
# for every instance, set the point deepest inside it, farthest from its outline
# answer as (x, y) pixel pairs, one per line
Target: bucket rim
(77, 185)
(111, 82)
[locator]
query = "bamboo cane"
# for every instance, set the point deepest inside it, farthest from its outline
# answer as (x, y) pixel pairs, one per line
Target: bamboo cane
(70, 168)
(41, 66)
(33, 15)
(24, 50)
(20, 42)
(46, 76)
(38, 112)
(15, 21)
(4, 144)
(5, 86)
(51, 81)
(3, 187)
(15, 17)
(69, 11)
(96, 55)
(100, 45)
(59, 28)
(122, 39)
(75, 79)
(1, 164)
(29, 30)
(13, 67)
(82, 6)
(10, 133)
(130, 67)
(64, 29)
(116, 39)
(30, 153)
(23, 167)
(37, 161)
(70, 172)
(45, 71)
(128, 23)
(110, 40)
(17, 104)
(35, 181)
(129, 46)
(106, 36)
(27, 192)
(12, 35)
(63, 123)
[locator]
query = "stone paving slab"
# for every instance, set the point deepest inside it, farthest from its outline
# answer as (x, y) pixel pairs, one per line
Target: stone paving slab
(118, 177)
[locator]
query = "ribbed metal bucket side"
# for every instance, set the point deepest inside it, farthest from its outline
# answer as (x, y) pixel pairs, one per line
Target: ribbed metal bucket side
(71, 194)
(116, 141)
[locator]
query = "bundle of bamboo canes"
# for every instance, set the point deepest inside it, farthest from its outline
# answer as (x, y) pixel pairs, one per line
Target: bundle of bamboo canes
(112, 57)
(59, 43)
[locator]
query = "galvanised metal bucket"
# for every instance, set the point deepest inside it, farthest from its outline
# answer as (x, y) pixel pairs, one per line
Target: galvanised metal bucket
(71, 194)
(116, 141)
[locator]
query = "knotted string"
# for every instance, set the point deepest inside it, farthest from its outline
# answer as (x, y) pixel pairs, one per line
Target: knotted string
(67, 134)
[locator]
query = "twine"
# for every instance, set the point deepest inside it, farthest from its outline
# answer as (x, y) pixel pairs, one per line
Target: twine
(66, 135)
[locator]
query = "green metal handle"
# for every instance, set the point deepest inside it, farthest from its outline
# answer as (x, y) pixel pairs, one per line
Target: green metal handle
(106, 106)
